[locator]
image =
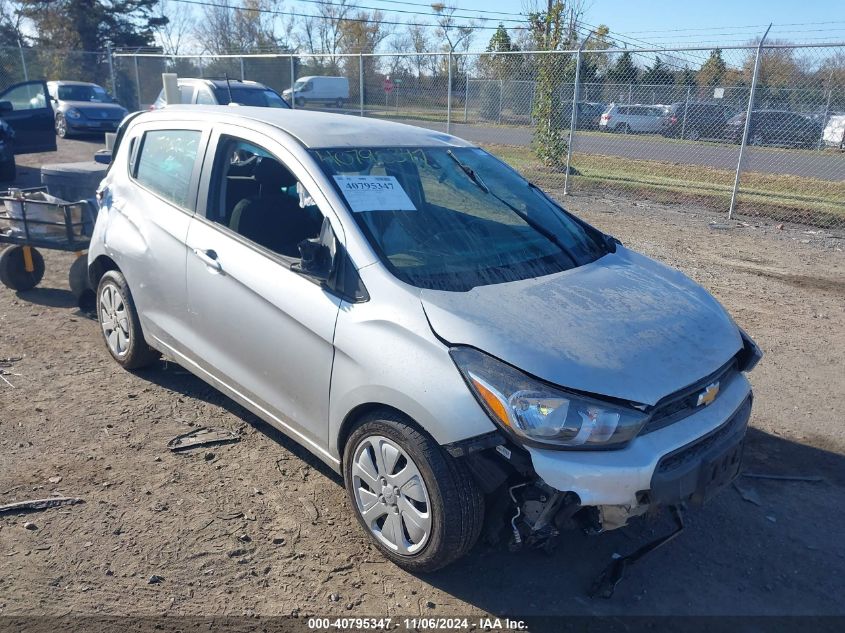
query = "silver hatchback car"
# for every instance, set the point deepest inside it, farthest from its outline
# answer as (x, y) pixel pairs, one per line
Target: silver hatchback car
(420, 317)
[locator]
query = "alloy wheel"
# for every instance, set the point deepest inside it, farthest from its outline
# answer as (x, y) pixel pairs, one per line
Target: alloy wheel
(61, 126)
(114, 320)
(390, 495)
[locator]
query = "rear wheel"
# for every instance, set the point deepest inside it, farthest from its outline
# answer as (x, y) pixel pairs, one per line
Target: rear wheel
(694, 134)
(420, 506)
(120, 324)
(623, 129)
(19, 271)
(300, 102)
(339, 103)
(8, 170)
(757, 139)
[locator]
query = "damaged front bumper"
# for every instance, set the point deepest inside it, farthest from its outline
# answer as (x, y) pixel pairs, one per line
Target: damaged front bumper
(688, 461)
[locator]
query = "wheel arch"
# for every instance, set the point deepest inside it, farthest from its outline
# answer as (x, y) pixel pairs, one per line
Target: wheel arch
(99, 267)
(361, 411)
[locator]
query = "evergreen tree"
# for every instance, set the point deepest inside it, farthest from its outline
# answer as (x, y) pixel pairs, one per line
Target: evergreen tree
(713, 70)
(624, 71)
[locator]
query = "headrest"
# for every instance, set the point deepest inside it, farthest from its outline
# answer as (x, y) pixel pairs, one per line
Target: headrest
(269, 173)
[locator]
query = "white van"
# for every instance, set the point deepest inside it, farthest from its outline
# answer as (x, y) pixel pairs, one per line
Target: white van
(319, 89)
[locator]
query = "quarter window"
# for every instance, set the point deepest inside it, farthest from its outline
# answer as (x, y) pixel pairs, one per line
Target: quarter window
(166, 163)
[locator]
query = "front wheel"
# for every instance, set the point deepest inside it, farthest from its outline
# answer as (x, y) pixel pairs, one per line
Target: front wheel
(420, 506)
(61, 126)
(21, 268)
(300, 102)
(119, 322)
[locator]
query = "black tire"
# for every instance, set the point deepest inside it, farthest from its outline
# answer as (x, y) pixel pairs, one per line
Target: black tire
(694, 134)
(61, 126)
(339, 103)
(13, 272)
(138, 353)
(300, 102)
(452, 490)
(8, 170)
(623, 129)
(80, 284)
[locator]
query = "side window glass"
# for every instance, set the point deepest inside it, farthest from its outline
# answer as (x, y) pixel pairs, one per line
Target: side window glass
(186, 94)
(204, 98)
(260, 199)
(28, 96)
(166, 163)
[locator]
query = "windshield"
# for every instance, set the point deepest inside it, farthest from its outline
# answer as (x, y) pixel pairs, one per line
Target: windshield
(261, 97)
(453, 219)
(83, 93)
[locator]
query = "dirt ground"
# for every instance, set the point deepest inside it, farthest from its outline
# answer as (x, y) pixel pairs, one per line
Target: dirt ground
(260, 527)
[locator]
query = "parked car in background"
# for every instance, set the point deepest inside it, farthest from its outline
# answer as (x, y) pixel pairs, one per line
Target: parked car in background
(589, 114)
(695, 120)
(84, 108)
(632, 119)
(775, 127)
(26, 124)
(319, 89)
(223, 92)
(834, 131)
(297, 261)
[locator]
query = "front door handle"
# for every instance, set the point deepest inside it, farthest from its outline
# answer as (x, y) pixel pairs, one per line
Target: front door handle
(209, 258)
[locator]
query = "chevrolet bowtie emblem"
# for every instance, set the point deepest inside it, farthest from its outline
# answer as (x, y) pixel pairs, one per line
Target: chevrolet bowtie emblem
(708, 395)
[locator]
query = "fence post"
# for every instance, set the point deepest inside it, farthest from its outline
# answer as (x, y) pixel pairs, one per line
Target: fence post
(826, 108)
(466, 97)
(747, 122)
(111, 69)
(361, 82)
(137, 81)
(292, 81)
(449, 96)
(243, 76)
(23, 61)
(686, 107)
(573, 121)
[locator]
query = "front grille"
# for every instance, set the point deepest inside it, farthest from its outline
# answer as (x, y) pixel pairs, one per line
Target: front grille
(683, 403)
(695, 449)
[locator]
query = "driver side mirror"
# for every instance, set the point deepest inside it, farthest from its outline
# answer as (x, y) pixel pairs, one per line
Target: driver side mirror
(316, 259)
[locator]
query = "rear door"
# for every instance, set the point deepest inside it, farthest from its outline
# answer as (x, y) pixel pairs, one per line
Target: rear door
(26, 108)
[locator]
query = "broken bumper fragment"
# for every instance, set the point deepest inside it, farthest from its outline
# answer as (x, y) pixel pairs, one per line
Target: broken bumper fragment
(689, 460)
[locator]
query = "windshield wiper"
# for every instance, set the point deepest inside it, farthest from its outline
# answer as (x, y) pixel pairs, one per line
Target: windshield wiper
(470, 172)
(549, 235)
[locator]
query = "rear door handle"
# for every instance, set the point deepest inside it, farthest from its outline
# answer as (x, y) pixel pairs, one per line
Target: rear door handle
(209, 258)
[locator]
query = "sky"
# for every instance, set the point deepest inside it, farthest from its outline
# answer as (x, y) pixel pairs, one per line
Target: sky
(667, 22)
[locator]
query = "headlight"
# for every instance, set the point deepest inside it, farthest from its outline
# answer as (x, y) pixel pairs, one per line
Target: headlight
(73, 113)
(537, 413)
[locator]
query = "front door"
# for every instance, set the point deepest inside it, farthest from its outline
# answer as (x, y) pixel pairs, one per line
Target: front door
(27, 109)
(259, 327)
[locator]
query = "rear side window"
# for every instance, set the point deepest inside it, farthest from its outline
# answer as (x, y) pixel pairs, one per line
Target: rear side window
(166, 163)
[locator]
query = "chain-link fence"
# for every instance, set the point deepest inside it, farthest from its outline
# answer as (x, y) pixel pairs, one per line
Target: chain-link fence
(671, 125)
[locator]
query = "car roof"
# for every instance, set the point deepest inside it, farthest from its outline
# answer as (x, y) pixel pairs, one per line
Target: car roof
(316, 129)
(63, 82)
(221, 83)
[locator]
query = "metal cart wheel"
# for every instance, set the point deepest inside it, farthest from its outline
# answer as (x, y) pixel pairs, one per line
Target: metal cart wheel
(79, 283)
(21, 267)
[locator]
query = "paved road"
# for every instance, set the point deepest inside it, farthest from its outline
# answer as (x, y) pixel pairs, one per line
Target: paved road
(806, 163)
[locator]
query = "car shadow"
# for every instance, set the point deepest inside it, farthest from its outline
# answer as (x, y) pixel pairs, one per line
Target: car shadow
(749, 552)
(171, 376)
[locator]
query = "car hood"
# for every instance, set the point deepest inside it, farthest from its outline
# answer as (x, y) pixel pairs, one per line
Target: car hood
(89, 107)
(623, 326)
